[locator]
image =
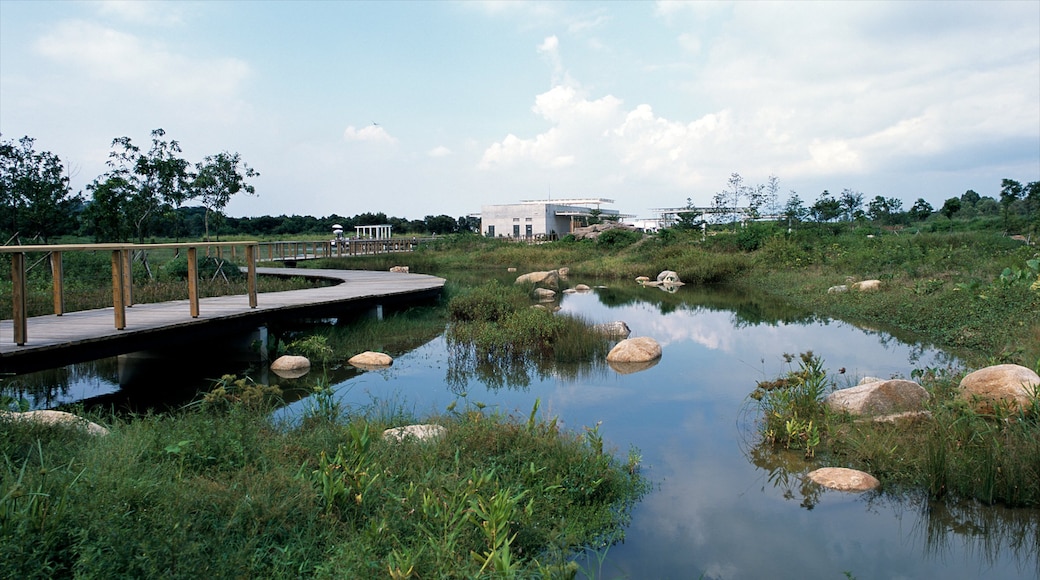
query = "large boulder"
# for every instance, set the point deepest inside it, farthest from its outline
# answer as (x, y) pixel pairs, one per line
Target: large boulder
(1011, 385)
(635, 350)
(592, 232)
(417, 432)
(879, 398)
(543, 295)
(291, 366)
(617, 330)
(548, 279)
(844, 479)
(867, 285)
(370, 360)
(668, 277)
(399, 269)
(51, 418)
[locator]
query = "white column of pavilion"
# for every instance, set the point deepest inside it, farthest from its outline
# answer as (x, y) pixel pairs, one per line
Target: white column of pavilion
(380, 232)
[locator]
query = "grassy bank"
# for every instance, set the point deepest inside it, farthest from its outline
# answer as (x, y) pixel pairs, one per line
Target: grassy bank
(953, 452)
(220, 490)
(971, 292)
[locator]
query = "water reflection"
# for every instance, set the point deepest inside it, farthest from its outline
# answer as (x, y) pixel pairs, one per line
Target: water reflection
(720, 508)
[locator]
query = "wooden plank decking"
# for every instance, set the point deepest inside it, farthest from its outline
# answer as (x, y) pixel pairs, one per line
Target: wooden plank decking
(51, 336)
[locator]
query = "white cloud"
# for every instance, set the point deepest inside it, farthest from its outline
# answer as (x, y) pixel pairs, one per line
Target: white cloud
(439, 151)
(368, 133)
(105, 54)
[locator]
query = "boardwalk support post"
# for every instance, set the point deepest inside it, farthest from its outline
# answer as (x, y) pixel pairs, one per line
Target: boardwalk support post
(18, 298)
(58, 276)
(251, 273)
(118, 306)
(193, 281)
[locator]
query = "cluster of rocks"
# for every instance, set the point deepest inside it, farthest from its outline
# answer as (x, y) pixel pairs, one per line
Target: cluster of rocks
(592, 232)
(861, 286)
(1012, 387)
(667, 279)
(294, 366)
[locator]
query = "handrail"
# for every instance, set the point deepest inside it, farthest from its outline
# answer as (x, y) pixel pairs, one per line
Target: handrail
(122, 281)
(307, 249)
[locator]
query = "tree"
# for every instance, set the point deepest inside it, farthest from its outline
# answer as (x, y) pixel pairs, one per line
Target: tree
(795, 210)
(688, 220)
(970, 198)
(772, 195)
(921, 210)
(440, 224)
(35, 198)
(826, 208)
(950, 207)
(217, 178)
(159, 179)
(104, 217)
(1033, 204)
(1010, 192)
(468, 224)
(851, 204)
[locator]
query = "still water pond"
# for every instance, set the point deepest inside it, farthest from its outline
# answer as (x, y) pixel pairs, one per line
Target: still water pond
(719, 507)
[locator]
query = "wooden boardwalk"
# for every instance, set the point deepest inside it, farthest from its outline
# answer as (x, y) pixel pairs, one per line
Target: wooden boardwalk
(73, 336)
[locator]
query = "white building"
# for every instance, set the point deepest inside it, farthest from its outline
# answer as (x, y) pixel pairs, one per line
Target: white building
(537, 219)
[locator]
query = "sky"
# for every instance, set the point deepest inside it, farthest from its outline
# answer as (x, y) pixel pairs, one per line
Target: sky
(429, 108)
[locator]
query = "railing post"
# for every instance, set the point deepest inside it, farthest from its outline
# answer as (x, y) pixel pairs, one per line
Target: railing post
(251, 274)
(193, 281)
(128, 278)
(21, 329)
(58, 276)
(117, 289)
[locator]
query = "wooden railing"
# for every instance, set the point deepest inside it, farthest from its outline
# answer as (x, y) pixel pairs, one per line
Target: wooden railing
(287, 251)
(122, 280)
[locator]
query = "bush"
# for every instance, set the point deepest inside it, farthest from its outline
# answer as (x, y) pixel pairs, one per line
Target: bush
(209, 268)
(617, 238)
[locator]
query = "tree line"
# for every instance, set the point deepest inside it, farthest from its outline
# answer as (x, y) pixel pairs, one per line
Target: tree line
(1018, 206)
(156, 193)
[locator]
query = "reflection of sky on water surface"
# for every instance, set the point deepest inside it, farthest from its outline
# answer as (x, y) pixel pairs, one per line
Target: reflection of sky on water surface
(712, 511)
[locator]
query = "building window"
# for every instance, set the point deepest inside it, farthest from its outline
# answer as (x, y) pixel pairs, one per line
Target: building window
(529, 219)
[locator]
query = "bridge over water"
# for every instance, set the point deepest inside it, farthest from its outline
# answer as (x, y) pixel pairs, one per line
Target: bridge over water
(65, 337)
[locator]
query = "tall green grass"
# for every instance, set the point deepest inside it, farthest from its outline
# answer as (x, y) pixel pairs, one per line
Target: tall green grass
(220, 490)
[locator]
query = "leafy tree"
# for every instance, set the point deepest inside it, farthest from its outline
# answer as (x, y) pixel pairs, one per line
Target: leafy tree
(826, 208)
(159, 179)
(468, 224)
(35, 198)
(970, 198)
(851, 204)
(441, 224)
(688, 220)
(950, 207)
(921, 210)
(1032, 193)
(217, 178)
(105, 217)
(1010, 192)
(794, 210)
